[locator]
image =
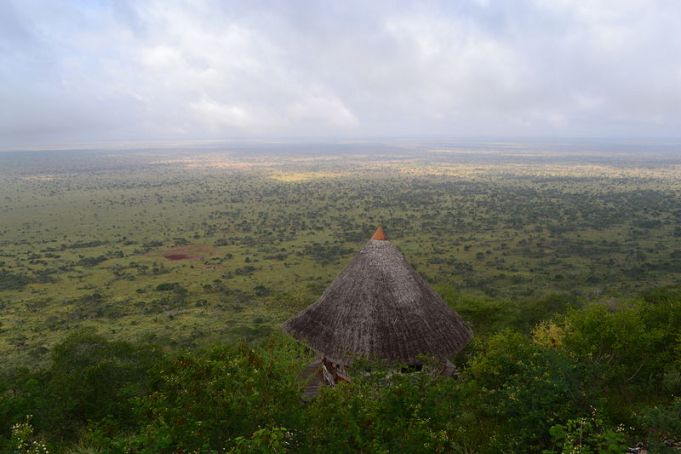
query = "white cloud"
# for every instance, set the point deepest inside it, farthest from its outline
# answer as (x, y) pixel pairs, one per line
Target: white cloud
(218, 116)
(327, 109)
(588, 102)
(154, 69)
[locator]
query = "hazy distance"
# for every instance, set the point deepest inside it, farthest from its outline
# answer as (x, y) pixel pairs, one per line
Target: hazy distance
(132, 71)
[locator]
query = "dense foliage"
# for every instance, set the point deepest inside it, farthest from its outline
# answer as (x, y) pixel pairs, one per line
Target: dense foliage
(593, 379)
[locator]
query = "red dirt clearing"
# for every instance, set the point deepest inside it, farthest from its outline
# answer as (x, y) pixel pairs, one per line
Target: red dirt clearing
(189, 252)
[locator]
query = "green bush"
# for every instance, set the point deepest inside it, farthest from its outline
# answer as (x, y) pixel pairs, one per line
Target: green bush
(90, 379)
(12, 281)
(587, 435)
(524, 388)
(595, 379)
(662, 423)
(207, 400)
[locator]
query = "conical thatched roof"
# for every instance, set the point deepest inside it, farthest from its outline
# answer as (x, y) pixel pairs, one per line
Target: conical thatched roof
(380, 307)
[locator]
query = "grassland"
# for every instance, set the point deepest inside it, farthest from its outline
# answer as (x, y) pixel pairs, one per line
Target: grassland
(189, 246)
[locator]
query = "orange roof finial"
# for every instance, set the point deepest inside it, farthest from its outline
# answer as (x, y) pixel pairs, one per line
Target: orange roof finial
(379, 234)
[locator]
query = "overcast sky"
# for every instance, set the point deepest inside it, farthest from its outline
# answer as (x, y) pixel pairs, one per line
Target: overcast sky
(145, 70)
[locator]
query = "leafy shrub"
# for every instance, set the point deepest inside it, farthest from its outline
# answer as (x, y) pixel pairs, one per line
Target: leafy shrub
(207, 400)
(267, 440)
(12, 281)
(90, 379)
(663, 424)
(627, 350)
(524, 388)
(573, 385)
(92, 261)
(24, 441)
(587, 435)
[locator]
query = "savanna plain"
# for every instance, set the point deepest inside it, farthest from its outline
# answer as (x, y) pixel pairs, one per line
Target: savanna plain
(137, 285)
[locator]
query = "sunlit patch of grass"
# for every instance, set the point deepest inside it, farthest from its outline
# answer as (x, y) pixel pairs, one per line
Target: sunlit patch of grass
(298, 177)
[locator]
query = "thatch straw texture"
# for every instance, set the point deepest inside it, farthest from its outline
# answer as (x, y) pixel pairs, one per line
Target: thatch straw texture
(379, 307)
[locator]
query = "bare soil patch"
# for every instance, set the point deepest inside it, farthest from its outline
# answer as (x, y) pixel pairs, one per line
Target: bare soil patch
(189, 252)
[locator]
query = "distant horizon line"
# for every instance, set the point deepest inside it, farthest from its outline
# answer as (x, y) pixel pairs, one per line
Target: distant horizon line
(306, 140)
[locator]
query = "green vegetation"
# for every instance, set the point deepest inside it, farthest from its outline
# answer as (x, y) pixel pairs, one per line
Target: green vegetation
(141, 294)
(596, 379)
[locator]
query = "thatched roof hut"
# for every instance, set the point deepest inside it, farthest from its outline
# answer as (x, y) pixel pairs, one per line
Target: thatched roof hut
(379, 307)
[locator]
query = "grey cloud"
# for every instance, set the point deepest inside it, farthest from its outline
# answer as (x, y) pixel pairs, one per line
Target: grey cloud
(164, 70)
